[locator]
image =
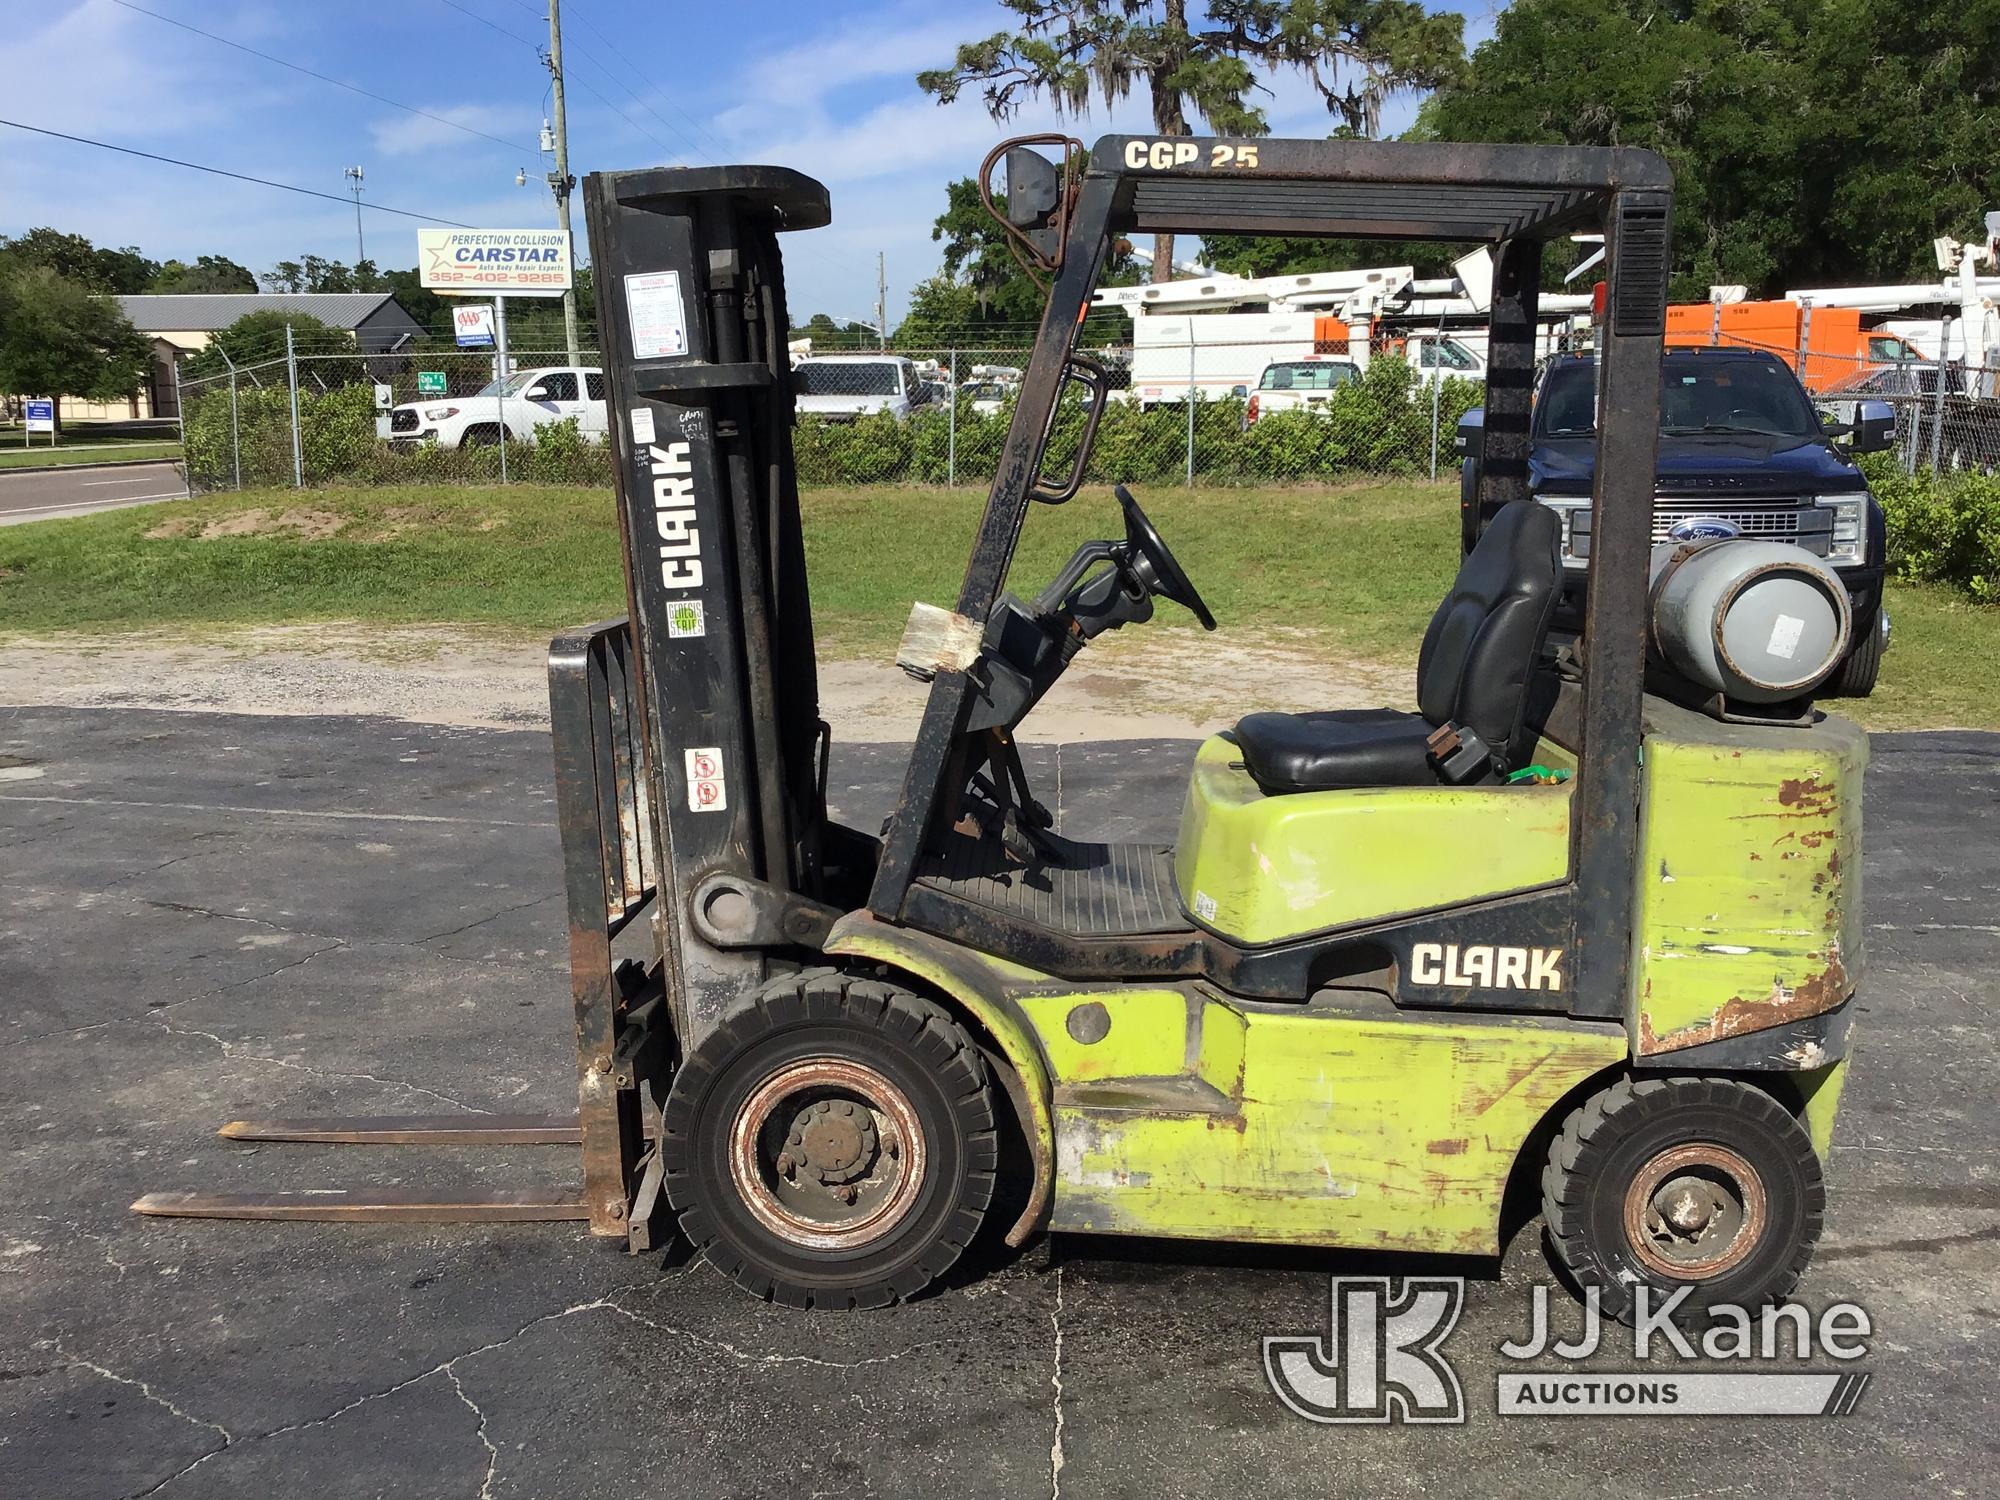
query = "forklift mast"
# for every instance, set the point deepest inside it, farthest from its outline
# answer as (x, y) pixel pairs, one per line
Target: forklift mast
(694, 322)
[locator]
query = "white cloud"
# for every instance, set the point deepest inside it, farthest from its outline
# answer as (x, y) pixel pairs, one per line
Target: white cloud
(889, 44)
(98, 69)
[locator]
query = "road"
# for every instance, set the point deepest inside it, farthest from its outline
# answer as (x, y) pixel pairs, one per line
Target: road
(208, 916)
(46, 494)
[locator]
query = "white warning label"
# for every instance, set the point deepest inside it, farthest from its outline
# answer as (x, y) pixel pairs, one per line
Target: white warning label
(659, 319)
(1785, 634)
(707, 791)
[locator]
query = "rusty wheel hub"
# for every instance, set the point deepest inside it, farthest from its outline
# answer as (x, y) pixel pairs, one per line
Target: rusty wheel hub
(834, 1140)
(1694, 1212)
(827, 1153)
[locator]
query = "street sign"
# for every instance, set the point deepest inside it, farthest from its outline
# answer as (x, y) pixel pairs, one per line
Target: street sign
(385, 395)
(503, 262)
(41, 416)
(430, 382)
(473, 323)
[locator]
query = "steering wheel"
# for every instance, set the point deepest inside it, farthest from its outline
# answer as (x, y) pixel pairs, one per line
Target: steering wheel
(1154, 565)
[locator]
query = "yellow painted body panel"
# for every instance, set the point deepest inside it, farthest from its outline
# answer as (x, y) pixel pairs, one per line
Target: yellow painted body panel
(1260, 869)
(1822, 1094)
(1316, 1127)
(1196, 1116)
(1749, 876)
(1148, 1036)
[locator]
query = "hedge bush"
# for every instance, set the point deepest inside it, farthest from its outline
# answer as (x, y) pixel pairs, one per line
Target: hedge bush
(338, 445)
(1943, 528)
(1378, 425)
(336, 436)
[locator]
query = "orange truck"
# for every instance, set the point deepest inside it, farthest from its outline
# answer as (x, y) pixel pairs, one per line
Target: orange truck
(1826, 346)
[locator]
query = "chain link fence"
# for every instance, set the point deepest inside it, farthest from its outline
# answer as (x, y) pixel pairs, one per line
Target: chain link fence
(303, 412)
(298, 415)
(1947, 414)
(311, 411)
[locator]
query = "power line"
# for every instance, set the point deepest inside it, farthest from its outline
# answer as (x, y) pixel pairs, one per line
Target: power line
(195, 166)
(591, 56)
(536, 48)
(699, 129)
(529, 42)
(610, 77)
(322, 77)
(585, 86)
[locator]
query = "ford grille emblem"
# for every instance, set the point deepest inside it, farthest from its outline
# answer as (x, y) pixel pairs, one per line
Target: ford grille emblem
(1704, 529)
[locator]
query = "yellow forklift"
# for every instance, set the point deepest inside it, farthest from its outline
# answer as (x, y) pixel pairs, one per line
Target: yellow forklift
(1587, 921)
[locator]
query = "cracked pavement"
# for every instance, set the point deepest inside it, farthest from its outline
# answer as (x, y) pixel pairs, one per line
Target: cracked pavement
(209, 916)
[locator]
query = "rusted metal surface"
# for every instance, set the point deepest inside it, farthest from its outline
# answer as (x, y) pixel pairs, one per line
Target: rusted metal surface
(1695, 1211)
(605, 839)
(1749, 891)
(413, 1130)
(371, 1206)
(833, 1174)
(1737, 1016)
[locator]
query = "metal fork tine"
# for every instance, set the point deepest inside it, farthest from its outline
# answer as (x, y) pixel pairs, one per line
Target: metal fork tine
(371, 1206)
(414, 1130)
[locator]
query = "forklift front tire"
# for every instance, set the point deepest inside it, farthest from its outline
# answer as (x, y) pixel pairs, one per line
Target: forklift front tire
(1702, 1183)
(832, 1143)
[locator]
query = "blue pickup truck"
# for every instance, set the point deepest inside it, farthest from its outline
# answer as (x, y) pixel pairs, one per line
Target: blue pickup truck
(1743, 452)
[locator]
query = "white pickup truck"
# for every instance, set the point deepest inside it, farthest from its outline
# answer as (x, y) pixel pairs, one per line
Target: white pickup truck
(846, 387)
(518, 406)
(1298, 384)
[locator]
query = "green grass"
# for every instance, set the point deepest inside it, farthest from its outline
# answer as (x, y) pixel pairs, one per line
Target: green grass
(1283, 557)
(1357, 569)
(1939, 668)
(97, 451)
(536, 558)
(523, 557)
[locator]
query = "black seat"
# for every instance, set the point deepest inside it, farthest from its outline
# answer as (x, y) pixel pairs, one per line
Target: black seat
(1478, 658)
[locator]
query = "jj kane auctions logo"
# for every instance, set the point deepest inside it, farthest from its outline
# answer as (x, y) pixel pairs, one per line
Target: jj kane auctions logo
(1382, 1359)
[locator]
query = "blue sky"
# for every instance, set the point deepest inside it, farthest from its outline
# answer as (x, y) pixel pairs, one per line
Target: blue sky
(826, 88)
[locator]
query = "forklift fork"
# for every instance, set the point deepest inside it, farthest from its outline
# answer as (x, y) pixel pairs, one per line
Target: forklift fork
(610, 872)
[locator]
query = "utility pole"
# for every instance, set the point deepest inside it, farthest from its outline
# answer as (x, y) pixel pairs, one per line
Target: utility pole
(560, 180)
(881, 303)
(353, 175)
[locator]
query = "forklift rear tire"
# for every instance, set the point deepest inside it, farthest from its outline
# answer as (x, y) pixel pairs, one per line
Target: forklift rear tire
(832, 1143)
(1702, 1183)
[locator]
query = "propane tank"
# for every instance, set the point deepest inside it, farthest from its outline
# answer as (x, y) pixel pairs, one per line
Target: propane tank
(1757, 621)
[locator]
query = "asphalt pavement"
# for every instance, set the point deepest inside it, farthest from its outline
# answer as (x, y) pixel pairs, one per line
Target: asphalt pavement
(209, 916)
(81, 489)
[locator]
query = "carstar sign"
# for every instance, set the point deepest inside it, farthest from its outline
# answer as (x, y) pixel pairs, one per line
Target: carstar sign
(510, 262)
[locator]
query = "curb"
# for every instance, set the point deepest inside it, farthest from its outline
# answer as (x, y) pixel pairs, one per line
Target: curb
(109, 463)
